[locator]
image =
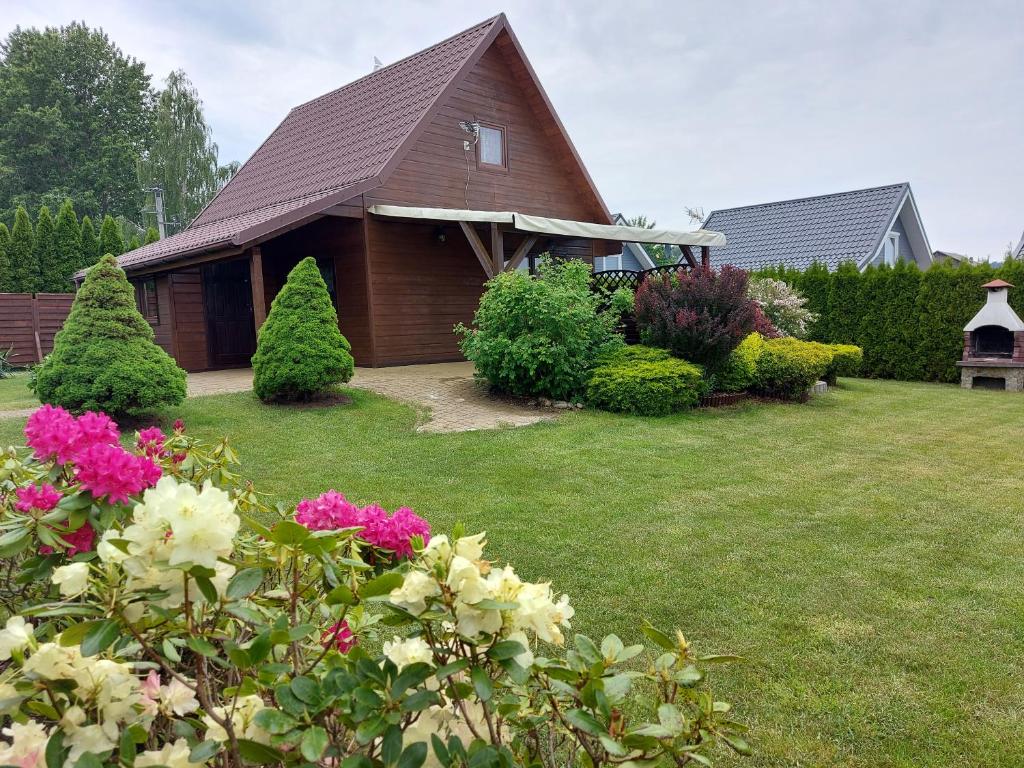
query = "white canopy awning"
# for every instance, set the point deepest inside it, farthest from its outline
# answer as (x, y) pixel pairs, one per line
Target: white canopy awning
(563, 227)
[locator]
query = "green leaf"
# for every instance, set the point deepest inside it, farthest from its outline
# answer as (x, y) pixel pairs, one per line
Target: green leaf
(419, 701)
(611, 647)
(506, 649)
(274, 721)
(201, 646)
(670, 718)
(382, 585)
(719, 658)
(587, 649)
(306, 689)
(244, 583)
(258, 754)
(74, 634)
(204, 751)
(391, 745)
(13, 542)
(450, 669)
(88, 760)
(99, 637)
(314, 743)
(613, 747)
(207, 589)
(55, 750)
(738, 743)
(439, 749)
(410, 677)
(585, 721)
(414, 755)
(288, 533)
(482, 683)
(340, 595)
(659, 637)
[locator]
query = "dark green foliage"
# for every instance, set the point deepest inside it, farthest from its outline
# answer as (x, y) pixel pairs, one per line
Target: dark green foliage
(739, 371)
(104, 358)
(1012, 271)
(845, 306)
(788, 367)
(133, 243)
(5, 258)
(24, 267)
(941, 320)
(901, 333)
(152, 235)
(644, 381)
(90, 244)
(300, 351)
(871, 338)
(539, 336)
(45, 250)
(110, 237)
(847, 360)
(814, 285)
(69, 249)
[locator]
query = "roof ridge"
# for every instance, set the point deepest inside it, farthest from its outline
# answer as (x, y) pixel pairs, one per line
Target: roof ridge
(808, 197)
(404, 59)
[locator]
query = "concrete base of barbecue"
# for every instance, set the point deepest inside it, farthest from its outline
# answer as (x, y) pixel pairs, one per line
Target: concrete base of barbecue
(1011, 372)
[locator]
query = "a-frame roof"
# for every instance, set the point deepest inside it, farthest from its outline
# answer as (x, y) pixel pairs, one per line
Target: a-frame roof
(338, 146)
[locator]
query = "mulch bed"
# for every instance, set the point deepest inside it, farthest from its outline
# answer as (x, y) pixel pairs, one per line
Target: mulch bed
(720, 399)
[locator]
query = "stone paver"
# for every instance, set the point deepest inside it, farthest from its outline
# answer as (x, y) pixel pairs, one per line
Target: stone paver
(456, 402)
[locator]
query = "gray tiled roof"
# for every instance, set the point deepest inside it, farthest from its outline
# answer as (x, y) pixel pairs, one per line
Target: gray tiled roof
(1018, 252)
(847, 226)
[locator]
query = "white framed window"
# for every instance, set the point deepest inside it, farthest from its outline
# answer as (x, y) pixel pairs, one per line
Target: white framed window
(891, 249)
(606, 263)
(492, 146)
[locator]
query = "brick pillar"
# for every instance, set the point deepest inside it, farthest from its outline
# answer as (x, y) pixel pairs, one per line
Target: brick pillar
(1018, 346)
(967, 346)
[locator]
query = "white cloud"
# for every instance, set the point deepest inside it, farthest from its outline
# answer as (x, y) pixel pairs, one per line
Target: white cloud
(670, 104)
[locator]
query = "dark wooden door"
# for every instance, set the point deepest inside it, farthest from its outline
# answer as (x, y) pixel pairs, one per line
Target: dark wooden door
(227, 295)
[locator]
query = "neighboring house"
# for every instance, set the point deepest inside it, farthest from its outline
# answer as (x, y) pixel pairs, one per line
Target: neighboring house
(410, 186)
(633, 256)
(1018, 250)
(867, 226)
(954, 259)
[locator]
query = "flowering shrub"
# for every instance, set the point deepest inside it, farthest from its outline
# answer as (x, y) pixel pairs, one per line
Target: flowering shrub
(783, 306)
(208, 628)
(700, 315)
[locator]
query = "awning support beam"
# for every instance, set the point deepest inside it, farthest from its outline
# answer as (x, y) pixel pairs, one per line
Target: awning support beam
(688, 255)
(478, 247)
(524, 248)
(497, 250)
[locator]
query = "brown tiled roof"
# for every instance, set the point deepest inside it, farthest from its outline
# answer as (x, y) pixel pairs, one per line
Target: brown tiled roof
(325, 151)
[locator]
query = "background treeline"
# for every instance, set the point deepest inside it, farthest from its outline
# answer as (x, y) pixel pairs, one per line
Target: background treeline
(908, 322)
(42, 257)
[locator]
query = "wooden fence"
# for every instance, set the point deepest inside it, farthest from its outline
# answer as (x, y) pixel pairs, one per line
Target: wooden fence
(28, 323)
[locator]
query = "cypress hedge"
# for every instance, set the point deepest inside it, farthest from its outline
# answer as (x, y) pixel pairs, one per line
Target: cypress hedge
(24, 267)
(90, 244)
(69, 248)
(908, 322)
(5, 258)
(46, 254)
(110, 237)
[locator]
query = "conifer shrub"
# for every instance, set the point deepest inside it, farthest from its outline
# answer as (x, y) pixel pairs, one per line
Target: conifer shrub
(45, 250)
(787, 368)
(740, 369)
(90, 244)
(871, 336)
(111, 240)
(701, 315)
(5, 258)
(813, 284)
(539, 336)
(152, 235)
(24, 272)
(645, 382)
(845, 305)
(69, 249)
(901, 334)
(300, 352)
(104, 358)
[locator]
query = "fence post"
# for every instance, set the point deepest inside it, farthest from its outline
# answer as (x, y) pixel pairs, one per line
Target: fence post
(35, 328)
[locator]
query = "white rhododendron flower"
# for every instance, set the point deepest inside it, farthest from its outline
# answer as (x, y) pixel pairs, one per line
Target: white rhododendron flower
(471, 547)
(27, 745)
(465, 579)
(539, 612)
(14, 637)
(53, 661)
(402, 653)
(415, 589)
(242, 718)
(172, 755)
(72, 579)
(438, 550)
(88, 738)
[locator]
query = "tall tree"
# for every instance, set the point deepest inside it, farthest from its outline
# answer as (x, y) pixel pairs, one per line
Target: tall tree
(182, 158)
(45, 246)
(24, 268)
(69, 247)
(5, 258)
(90, 244)
(110, 237)
(77, 115)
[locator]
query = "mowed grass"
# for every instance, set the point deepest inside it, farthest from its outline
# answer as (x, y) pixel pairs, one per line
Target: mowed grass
(863, 552)
(15, 394)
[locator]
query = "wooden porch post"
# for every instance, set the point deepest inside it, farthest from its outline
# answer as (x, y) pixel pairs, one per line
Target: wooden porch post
(259, 300)
(497, 250)
(688, 255)
(705, 256)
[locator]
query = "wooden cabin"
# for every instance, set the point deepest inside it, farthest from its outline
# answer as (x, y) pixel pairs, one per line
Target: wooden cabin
(411, 187)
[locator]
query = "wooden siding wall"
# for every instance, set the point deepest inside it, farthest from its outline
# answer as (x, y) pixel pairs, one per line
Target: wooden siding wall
(23, 315)
(539, 180)
(338, 238)
(420, 289)
(189, 319)
(163, 326)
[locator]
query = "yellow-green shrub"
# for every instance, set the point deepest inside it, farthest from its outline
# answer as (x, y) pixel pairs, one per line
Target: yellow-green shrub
(788, 367)
(846, 361)
(739, 370)
(645, 382)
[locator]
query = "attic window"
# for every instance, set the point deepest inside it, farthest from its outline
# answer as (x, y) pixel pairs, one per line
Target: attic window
(891, 249)
(492, 146)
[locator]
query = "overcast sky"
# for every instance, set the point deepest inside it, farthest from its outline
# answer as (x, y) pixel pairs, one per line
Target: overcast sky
(671, 104)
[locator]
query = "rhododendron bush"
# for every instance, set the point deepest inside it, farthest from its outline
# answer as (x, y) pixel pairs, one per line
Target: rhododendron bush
(162, 612)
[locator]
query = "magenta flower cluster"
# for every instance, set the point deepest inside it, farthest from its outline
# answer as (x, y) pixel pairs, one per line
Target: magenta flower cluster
(91, 443)
(331, 511)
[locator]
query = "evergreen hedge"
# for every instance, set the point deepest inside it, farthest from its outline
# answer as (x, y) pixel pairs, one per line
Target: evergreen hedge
(5, 258)
(69, 249)
(46, 257)
(110, 237)
(300, 351)
(24, 271)
(90, 244)
(104, 358)
(908, 322)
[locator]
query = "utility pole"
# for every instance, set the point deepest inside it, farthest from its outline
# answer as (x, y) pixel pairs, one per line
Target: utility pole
(158, 203)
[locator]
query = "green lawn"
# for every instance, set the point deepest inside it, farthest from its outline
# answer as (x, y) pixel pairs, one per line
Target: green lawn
(863, 552)
(15, 394)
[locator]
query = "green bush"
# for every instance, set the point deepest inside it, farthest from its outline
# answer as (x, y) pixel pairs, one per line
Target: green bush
(539, 336)
(788, 367)
(739, 370)
(847, 360)
(300, 351)
(104, 358)
(644, 381)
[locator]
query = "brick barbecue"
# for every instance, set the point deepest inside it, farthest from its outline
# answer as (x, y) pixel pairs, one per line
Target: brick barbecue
(994, 344)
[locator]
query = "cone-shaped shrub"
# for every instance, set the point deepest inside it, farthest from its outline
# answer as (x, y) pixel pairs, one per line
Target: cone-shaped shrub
(46, 253)
(69, 249)
(90, 244)
(24, 267)
(104, 358)
(152, 235)
(110, 237)
(5, 258)
(299, 350)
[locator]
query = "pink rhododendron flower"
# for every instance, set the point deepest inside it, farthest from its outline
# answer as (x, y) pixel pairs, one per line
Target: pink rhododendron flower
(109, 470)
(332, 511)
(39, 497)
(340, 636)
(151, 442)
(51, 433)
(179, 426)
(78, 541)
(95, 428)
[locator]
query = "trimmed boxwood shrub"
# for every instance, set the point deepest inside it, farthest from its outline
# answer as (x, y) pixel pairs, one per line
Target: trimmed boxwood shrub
(788, 367)
(300, 351)
(104, 358)
(539, 336)
(739, 370)
(847, 360)
(645, 382)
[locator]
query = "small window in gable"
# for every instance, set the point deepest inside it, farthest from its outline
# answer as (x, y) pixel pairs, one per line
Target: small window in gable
(891, 249)
(491, 146)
